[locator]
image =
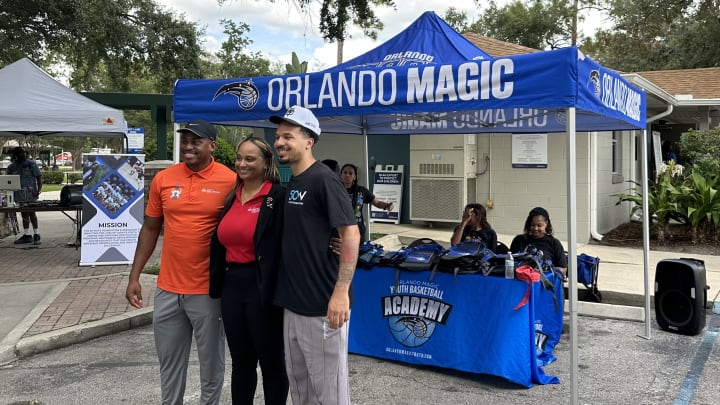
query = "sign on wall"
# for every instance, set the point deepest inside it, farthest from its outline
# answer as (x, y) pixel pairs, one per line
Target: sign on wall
(388, 184)
(136, 140)
(657, 150)
(529, 151)
(113, 196)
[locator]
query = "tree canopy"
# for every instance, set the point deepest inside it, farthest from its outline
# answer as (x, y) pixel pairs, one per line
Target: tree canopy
(121, 46)
(539, 24)
(658, 35)
(104, 43)
(636, 35)
(234, 60)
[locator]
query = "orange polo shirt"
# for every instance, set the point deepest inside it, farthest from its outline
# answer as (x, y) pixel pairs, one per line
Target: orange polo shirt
(190, 204)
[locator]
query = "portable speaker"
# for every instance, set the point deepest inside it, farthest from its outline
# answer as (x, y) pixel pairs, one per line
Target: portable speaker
(680, 295)
(71, 195)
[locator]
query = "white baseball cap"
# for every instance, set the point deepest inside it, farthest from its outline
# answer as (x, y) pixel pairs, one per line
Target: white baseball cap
(300, 116)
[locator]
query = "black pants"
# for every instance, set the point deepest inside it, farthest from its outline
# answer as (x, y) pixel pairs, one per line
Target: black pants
(254, 333)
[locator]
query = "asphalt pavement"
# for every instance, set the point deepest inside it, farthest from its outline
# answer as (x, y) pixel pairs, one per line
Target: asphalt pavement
(50, 302)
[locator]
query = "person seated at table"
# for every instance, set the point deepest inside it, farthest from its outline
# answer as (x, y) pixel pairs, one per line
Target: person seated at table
(538, 233)
(475, 227)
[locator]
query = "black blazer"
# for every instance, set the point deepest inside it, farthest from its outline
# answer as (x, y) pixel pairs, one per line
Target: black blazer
(267, 238)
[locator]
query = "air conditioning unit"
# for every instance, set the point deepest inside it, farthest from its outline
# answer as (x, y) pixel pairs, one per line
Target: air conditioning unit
(440, 199)
(442, 176)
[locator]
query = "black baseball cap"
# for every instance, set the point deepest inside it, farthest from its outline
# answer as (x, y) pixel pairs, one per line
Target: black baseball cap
(201, 128)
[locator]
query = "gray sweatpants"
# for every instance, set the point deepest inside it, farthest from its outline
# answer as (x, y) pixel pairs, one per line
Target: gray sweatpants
(316, 360)
(176, 317)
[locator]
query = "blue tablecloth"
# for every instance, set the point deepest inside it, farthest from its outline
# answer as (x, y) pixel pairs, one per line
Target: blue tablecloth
(463, 322)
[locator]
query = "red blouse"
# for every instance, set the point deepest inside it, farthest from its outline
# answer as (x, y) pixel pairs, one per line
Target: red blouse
(237, 227)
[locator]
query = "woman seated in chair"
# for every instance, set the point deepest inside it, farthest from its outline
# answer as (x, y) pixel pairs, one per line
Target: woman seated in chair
(475, 227)
(538, 233)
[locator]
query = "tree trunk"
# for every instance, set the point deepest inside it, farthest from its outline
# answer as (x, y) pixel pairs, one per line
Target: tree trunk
(340, 46)
(661, 233)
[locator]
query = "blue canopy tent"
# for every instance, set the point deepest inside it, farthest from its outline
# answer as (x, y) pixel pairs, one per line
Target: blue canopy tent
(524, 93)
(429, 39)
(553, 91)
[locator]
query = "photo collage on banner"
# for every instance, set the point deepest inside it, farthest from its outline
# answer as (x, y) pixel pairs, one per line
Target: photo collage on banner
(113, 197)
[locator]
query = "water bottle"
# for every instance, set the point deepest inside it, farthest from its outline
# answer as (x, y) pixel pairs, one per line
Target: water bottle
(509, 266)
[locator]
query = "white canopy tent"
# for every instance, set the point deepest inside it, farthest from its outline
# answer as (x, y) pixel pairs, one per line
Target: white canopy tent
(34, 103)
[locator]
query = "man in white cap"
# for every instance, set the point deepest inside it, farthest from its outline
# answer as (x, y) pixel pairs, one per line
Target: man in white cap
(186, 199)
(314, 283)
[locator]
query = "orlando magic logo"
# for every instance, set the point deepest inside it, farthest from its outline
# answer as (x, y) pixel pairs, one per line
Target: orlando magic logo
(409, 58)
(594, 83)
(411, 331)
(412, 319)
(246, 92)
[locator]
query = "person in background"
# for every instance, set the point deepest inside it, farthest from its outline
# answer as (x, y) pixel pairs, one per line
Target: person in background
(244, 262)
(31, 186)
(333, 165)
(475, 227)
(359, 196)
(668, 152)
(538, 233)
(314, 282)
(185, 200)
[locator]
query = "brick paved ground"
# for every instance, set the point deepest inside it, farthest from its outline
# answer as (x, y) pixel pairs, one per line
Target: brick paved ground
(91, 293)
(90, 300)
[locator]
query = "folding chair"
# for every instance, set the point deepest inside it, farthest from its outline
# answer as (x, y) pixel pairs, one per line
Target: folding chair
(587, 270)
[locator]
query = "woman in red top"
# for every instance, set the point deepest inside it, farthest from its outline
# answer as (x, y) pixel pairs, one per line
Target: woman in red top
(244, 260)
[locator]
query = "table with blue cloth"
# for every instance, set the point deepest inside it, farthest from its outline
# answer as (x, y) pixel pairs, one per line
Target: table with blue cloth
(465, 322)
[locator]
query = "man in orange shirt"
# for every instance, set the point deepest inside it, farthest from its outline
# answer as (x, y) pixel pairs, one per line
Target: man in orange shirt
(187, 199)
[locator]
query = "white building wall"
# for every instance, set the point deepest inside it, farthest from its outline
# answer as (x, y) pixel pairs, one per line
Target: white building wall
(515, 192)
(344, 149)
(610, 215)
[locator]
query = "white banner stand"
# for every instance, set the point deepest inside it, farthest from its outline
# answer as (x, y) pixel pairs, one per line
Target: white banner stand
(388, 185)
(113, 208)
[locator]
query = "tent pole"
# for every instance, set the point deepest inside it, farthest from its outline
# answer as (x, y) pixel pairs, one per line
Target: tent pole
(572, 250)
(366, 163)
(646, 228)
(176, 143)
(645, 208)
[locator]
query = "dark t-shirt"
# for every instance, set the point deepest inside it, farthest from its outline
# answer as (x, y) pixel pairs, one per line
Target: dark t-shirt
(552, 248)
(487, 236)
(28, 171)
(316, 204)
(360, 195)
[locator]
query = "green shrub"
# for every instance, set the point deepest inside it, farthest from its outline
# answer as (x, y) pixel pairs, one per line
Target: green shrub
(690, 197)
(49, 177)
(225, 153)
(701, 150)
(699, 201)
(663, 195)
(73, 177)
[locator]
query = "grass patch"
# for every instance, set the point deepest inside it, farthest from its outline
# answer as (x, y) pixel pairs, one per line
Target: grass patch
(52, 187)
(376, 236)
(153, 269)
